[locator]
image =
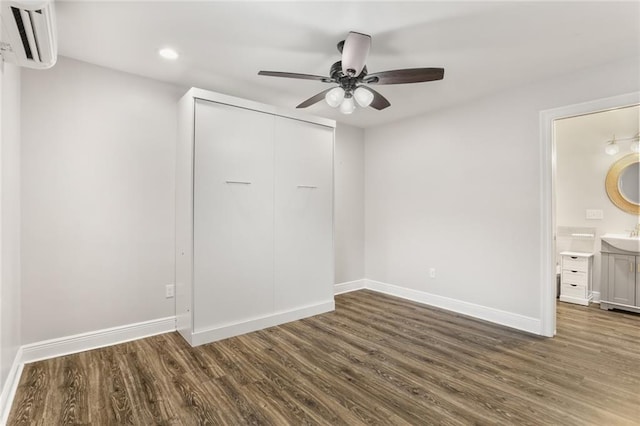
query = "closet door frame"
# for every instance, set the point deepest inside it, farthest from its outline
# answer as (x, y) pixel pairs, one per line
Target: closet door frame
(184, 302)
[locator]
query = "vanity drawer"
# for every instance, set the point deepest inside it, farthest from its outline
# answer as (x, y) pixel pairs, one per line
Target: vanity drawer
(574, 277)
(574, 290)
(575, 263)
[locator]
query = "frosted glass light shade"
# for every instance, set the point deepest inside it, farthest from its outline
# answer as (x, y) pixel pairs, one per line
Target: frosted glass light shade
(363, 97)
(347, 106)
(612, 148)
(334, 96)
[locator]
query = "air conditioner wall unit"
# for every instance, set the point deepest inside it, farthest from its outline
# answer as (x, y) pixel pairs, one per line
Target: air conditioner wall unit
(28, 36)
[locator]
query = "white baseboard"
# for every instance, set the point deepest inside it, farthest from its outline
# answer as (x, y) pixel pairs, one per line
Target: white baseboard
(96, 339)
(509, 319)
(10, 387)
(596, 297)
(575, 300)
(214, 334)
(348, 286)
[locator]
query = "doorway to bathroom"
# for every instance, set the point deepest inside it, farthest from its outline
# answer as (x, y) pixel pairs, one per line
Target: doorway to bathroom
(587, 147)
(576, 210)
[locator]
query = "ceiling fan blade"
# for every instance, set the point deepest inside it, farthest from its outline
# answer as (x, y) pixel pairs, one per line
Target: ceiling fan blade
(314, 99)
(379, 102)
(354, 53)
(410, 75)
(295, 75)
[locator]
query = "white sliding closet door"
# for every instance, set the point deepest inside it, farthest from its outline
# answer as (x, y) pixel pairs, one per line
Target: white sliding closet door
(233, 215)
(303, 214)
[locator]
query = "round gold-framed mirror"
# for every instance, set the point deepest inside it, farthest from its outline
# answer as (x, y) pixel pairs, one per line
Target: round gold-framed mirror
(622, 183)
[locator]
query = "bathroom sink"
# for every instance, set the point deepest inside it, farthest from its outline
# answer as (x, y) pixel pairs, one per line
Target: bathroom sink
(622, 242)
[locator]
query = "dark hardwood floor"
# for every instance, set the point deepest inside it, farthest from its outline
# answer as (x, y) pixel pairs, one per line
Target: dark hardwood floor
(375, 360)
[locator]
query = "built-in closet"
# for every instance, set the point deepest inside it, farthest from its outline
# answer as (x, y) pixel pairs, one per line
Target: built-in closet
(254, 216)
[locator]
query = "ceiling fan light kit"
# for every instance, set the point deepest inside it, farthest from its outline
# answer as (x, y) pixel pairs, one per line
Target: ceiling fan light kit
(363, 96)
(348, 105)
(334, 97)
(352, 78)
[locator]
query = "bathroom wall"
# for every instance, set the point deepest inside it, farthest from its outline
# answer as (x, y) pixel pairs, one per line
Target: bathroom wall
(581, 169)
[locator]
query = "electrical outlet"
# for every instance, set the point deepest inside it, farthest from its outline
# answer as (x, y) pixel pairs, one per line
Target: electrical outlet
(594, 214)
(432, 272)
(169, 291)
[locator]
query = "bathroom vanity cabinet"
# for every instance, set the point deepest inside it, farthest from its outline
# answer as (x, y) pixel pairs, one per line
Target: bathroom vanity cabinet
(576, 283)
(620, 279)
(254, 216)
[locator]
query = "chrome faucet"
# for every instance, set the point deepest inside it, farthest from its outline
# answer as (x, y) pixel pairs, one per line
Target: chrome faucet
(636, 231)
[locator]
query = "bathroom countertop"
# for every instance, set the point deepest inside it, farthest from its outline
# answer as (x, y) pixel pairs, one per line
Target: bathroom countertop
(576, 254)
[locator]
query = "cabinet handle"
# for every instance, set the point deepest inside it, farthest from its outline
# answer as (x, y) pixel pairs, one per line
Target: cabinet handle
(574, 257)
(240, 182)
(574, 271)
(307, 186)
(573, 285)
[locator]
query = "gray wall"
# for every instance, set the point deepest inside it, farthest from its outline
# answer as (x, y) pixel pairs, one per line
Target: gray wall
(349, 201)
(9, 217)
(98, 161)
(98, 166)
(460, 190)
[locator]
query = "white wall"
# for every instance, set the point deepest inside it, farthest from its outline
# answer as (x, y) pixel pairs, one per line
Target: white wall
(349, 203)
(582, 166)
(460, 190)
(10, 217)
(98, 161)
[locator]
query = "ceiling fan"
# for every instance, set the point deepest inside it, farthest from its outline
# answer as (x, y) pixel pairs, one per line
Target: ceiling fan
(352, 78)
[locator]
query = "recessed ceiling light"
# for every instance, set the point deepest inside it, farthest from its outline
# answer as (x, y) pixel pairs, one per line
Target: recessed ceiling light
(168, 53)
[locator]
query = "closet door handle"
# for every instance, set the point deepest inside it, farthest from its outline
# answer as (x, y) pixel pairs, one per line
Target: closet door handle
(307, 186)
(630, 266)
(239, 182)
(638, 267)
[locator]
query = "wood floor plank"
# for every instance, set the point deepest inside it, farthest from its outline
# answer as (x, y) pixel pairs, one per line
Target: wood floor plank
(74, 403)
(115, 394)
(30, 402)
(376, 360)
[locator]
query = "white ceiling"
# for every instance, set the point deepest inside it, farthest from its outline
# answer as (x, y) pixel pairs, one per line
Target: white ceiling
(483, 46)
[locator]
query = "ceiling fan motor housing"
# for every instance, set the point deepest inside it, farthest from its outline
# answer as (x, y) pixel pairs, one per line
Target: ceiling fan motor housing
(347, 82)
(355, 51)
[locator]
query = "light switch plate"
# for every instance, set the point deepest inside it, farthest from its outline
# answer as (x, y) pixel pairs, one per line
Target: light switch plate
(169, 291)
(594, 214)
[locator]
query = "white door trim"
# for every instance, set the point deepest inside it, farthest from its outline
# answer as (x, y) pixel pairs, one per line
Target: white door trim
(547, 182)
